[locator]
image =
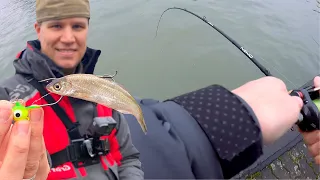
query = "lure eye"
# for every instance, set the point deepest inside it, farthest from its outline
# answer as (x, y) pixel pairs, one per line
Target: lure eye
(17, 113)
(57, 86)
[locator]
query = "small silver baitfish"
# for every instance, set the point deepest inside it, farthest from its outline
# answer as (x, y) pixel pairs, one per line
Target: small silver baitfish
(100, 90)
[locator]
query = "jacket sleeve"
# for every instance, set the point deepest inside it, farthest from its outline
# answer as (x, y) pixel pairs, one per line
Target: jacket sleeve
(4, 94)
(229, 123)
(130, 165)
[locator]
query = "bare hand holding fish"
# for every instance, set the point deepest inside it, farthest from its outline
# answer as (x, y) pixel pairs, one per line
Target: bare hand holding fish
(101, 90)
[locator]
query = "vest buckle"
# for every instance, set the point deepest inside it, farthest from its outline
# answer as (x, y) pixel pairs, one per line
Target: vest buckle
(88, 144)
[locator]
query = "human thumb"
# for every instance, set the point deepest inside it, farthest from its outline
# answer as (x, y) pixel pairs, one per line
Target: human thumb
(298, 101)
(295, 109)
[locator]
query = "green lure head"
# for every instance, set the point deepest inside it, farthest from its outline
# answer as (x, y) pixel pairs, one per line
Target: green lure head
(21, 112)
(317, 103)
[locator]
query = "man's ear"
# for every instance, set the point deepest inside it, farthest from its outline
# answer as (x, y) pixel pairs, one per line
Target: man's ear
(37, 27)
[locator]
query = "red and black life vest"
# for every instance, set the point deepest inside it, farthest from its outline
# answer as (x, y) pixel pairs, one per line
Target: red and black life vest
(72, 152)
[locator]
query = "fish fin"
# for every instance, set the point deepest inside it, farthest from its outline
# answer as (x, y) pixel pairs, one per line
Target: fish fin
(122, 87)
(109, 78)
(143, 125)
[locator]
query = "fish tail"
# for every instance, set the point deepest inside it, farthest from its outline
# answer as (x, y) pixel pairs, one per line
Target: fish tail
(143, 125)
(141, 120)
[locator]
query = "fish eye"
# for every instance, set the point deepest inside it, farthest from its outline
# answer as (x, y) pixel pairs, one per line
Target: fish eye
(57, 86)
(17, 113)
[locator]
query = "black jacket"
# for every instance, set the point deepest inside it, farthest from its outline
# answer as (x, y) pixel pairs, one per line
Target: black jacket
(208, 133)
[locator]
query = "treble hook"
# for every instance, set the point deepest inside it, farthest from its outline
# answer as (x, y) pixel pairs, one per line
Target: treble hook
(109, 76)
(49, 104)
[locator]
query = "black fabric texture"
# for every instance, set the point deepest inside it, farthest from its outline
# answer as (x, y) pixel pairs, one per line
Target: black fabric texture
(176, 147)
(229, 124)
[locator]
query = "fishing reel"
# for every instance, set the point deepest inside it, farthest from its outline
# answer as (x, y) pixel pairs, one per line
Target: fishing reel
(309, 115)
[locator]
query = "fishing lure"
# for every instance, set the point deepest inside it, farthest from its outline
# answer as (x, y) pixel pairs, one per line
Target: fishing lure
(21, 112)
(317, 103)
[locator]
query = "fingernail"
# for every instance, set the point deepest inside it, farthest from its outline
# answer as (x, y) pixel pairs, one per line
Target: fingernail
(23, 127)
(4, 115)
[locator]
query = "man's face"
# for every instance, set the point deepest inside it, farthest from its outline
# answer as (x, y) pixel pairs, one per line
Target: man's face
(64, 41)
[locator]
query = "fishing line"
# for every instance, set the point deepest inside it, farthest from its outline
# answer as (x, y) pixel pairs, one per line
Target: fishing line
(241, 48)
(49, 104)
(278, 71)
(315, 41)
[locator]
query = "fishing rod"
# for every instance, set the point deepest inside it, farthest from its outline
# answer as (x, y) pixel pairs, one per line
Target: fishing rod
(309, 113)
(241, 48)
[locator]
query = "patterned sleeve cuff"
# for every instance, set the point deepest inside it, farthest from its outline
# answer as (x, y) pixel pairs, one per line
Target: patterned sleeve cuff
(229, 123)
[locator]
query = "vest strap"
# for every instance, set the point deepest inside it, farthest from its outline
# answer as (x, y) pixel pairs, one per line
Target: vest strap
(82, 152)
(69, 154)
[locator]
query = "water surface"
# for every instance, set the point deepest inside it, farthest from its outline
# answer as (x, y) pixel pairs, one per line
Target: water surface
(187, 53)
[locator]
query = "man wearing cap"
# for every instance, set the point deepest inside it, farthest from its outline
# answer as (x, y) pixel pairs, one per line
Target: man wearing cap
(73, 139)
